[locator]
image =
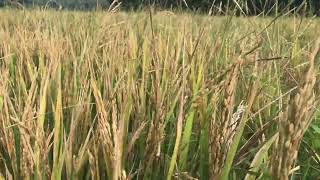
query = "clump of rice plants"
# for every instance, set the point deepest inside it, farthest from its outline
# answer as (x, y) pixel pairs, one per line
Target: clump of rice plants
(93, 95)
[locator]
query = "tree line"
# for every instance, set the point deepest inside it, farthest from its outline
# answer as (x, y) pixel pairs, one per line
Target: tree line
(249, 7)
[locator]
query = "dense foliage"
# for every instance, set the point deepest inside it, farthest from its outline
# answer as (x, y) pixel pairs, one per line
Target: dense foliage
(129, 95)
(251, 7)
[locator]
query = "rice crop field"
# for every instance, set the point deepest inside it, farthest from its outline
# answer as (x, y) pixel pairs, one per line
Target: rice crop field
(158, 95)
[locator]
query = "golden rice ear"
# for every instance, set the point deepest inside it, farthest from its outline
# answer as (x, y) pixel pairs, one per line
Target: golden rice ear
(295, 120)
(227, 127)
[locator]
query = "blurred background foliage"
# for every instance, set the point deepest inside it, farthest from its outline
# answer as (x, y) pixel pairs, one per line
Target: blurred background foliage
(249, 7)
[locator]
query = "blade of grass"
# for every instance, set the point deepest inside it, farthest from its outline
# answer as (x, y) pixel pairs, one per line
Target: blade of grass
(58, 131)
(186, 138)
(179, 131)
(260, 155)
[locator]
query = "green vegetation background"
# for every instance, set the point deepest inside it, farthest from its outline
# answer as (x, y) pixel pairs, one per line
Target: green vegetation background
(253, 6)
